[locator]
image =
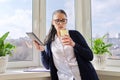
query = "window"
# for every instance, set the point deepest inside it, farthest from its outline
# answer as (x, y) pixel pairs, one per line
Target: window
(81, 13)
(105, 20)
(17, 19)
(68, 6)
(35, 17)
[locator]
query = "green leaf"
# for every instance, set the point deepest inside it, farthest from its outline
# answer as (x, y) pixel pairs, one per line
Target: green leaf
(99, 46)
(4, 36)
(5, 48)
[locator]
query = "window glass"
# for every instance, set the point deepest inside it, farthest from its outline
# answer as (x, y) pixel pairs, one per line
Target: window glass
(16, 17)
(106, 20)
(67, 5)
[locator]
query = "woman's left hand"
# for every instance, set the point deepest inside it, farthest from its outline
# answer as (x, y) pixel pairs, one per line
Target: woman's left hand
(66, 40)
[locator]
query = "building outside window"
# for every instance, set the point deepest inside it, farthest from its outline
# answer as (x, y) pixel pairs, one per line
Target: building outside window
(16, 17)
(105, 20)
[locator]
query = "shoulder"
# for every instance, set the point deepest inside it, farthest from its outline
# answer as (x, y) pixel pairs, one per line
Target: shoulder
(74, 32)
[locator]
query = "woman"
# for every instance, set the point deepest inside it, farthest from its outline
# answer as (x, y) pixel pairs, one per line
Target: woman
(68, 57)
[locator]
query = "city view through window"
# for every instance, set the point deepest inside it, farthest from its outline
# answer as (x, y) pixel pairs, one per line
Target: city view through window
(105, 20)
(17, 19)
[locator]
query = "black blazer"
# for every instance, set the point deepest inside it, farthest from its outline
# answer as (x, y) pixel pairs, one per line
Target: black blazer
(83, 56)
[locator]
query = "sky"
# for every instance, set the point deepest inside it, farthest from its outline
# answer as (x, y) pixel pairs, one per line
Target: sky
(105, 17)
(16, 16)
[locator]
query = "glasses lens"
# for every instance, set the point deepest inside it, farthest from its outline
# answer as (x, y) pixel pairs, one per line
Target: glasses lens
(64, 21)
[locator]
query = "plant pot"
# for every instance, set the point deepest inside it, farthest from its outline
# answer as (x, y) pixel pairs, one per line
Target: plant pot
(3, 63)
(100, 61)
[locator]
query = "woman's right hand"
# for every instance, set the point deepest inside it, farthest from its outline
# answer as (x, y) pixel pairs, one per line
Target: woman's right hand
(38, 46)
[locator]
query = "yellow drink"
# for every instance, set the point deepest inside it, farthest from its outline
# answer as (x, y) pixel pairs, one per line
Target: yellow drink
(63, 32)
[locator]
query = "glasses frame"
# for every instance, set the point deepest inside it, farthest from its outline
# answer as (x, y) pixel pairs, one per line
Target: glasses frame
(58, 21)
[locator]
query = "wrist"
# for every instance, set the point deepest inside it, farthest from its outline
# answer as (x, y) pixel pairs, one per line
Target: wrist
(73, 44)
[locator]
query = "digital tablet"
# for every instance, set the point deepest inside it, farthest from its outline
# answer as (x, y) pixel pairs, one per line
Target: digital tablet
(34, 37)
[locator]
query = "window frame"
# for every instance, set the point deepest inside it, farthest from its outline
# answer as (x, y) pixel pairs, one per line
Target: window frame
(36, 23)
(83, 18)
(83, 24)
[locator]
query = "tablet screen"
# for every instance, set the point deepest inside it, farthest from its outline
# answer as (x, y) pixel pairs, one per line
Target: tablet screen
(34, 37)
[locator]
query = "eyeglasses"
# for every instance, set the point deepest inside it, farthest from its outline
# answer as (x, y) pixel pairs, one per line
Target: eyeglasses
(58, 21)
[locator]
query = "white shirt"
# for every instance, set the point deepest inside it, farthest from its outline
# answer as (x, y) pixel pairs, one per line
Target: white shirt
(65, 61)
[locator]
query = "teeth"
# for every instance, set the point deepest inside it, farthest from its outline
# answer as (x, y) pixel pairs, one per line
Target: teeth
(63, 32)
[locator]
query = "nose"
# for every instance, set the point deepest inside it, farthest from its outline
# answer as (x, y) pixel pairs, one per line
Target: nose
(60, 23)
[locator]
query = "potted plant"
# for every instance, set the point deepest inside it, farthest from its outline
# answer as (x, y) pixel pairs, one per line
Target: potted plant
(100, 48)
(5, 50)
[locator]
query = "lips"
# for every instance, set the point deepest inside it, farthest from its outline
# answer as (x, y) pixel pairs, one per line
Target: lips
(61, 27)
